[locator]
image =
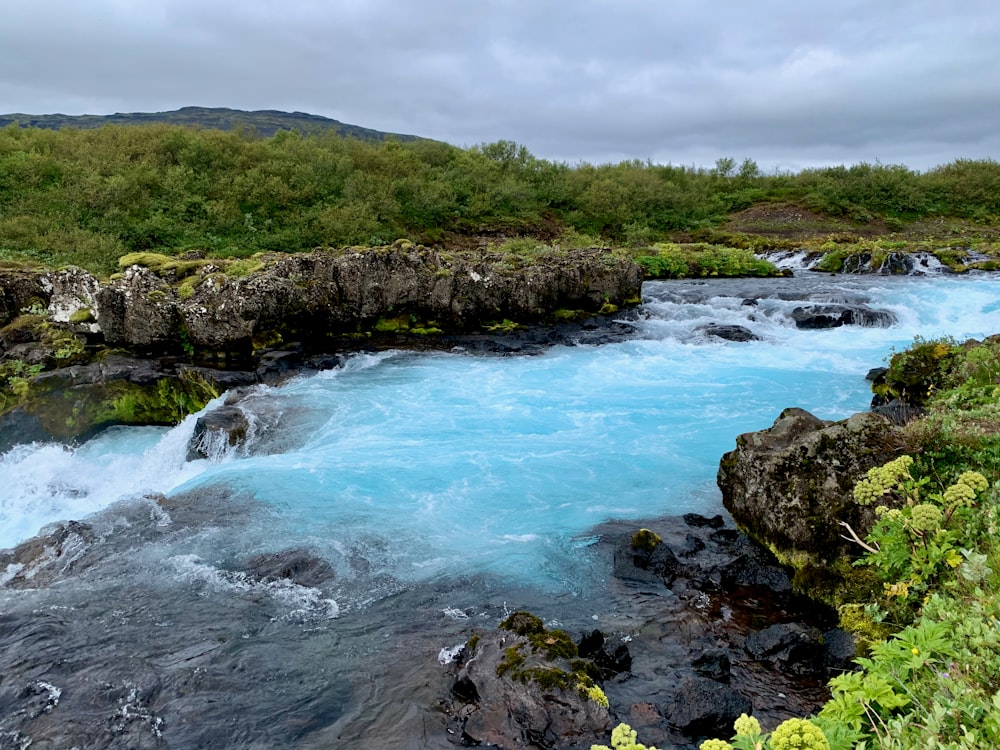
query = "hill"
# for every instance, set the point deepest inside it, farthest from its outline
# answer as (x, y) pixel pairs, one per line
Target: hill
(265, 122)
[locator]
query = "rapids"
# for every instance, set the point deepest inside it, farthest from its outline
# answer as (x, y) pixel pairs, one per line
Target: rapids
(442, 488)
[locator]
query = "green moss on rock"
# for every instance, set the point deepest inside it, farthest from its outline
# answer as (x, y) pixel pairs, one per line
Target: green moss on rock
(647, 540)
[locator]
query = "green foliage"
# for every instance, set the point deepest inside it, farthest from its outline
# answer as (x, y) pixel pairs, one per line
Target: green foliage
(673, 261)
(88, 196)
(623, 737)
(918, 370)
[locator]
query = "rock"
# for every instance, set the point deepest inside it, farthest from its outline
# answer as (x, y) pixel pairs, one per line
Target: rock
(790, 647)
(714, 664)
(834, 316)
(219, 429)
(841, 650)
(789, 486)
(752, 565)
(308, 297)
(730, 332)
(611, 660)
(698, 521)
(644, 557)
(704, 708)
(511, 695)
(298, 566)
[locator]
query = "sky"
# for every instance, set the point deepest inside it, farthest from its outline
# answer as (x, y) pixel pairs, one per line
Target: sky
(790, 84)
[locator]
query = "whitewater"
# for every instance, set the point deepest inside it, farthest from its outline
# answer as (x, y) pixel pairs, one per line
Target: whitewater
(429, 494)
(501, 463)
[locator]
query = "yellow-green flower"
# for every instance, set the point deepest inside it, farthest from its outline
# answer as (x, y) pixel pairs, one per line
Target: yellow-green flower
(715, 745)
(746, 726)
(798, 734)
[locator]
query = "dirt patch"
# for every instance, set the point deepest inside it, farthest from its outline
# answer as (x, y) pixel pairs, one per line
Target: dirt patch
(794, 222)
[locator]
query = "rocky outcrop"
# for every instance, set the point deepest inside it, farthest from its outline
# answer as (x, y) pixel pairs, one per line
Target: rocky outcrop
(835, 316)
(789, 486)
(311, 296)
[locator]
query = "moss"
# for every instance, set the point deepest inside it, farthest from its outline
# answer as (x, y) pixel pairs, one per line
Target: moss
(608, 309)
(647, 540)
(547, 678)
(563, 315)
(856, 621)
(554, 644)
(398, 324)
(83, 315)
(186, 288)
(512, 662)
(523, 623)
(504, 326)
(471, 644)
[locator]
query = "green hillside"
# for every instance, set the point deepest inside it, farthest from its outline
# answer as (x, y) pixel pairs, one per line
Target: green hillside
(264, 122)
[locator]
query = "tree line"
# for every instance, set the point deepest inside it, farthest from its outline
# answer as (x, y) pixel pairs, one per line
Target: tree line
(87, 197)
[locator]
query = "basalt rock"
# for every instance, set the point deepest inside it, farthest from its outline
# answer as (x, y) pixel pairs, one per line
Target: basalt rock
(730, 332)
(789, 486)
(309, 297)
(834, 316)
(508, 692)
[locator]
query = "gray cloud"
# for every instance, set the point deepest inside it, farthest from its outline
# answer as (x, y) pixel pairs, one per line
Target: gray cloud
(790, 84)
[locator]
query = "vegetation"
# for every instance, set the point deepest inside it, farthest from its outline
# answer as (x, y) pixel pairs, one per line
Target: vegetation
(89, 196)
(931, 676)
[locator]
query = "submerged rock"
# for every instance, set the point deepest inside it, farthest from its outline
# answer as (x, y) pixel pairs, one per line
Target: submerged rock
(834, 316)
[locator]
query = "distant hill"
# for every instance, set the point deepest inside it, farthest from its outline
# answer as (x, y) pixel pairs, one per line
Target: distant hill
(266, 122)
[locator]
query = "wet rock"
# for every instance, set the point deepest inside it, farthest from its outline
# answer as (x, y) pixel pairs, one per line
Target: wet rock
(226, 426)
(714, 664)
(752, 565)
(704, 708)
(645, 558)
(45, 558)
(298, 566)
(730, 332)
(610, 659)
(790, 647)
(698, 521)
(511, 695)
(834, 316)
(789, 486)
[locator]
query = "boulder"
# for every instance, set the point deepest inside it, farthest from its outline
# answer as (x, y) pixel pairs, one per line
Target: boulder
(705, 708)
(510, 693)
(834, 316)
(790, 647)
(789, 486)
(297, 566)
(644, 557)
(214, 432)
(730, 332)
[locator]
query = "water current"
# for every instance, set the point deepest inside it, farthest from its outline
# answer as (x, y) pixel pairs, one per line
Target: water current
(442, 488)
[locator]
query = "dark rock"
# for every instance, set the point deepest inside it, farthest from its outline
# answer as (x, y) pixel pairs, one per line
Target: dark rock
(834, 316)
(841, 650)
(610, 660)
(730, 332)
(298, 566)
(749, 302)
(790, 647)
(875, 373)
(692, 546)
(698, 521)
(752, 565)
(705, 708)
(789, 486)
(657, 564)
(535, 703)
(220, 428)
(713, 664)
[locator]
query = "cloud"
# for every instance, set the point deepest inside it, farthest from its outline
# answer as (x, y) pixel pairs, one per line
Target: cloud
(680, 81)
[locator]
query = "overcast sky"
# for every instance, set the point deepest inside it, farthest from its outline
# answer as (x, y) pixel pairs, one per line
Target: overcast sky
(789, 83)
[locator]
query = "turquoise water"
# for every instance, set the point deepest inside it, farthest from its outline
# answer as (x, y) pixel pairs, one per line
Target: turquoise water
(433, 465)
